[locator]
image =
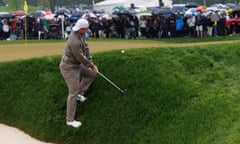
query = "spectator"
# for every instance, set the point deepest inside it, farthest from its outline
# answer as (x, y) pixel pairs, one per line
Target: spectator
(101, 28)
(221, 25)
(179, 26)
(164, 28)
(191, 21)
(215, 19)
(46, 28)
(13, 25)
(209, 26)
(39, 27)
(142, 24)
(199, 25)
(5, 29)
(132, 28)
(107, 28)
(20, 28)
(172, 26)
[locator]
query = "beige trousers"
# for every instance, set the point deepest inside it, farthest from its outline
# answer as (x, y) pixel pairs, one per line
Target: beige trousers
(75, 86)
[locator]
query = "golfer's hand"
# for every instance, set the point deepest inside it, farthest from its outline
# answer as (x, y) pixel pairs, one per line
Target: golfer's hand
(95, 69)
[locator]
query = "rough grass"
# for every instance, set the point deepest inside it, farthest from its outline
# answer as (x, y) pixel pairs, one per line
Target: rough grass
(180, 96)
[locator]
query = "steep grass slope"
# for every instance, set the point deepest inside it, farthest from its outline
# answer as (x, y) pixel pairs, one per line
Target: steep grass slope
(174, 96)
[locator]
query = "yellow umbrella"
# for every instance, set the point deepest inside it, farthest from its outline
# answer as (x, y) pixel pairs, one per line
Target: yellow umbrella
(229, 11)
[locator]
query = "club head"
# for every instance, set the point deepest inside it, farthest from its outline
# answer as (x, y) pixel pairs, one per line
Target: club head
(124, 91)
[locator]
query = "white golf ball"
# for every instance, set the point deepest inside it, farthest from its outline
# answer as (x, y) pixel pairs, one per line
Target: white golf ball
(122, 51)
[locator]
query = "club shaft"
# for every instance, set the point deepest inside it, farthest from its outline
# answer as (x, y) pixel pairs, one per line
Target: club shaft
(111, 82)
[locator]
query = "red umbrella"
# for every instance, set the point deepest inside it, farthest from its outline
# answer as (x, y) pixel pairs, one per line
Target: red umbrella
(47, 12)
(19, 13)
(201, 8)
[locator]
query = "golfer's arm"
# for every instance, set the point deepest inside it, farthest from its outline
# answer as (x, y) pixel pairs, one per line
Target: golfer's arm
(81, 58)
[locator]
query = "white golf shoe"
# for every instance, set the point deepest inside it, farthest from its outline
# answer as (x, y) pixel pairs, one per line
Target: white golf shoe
(74, 123)
(81, 98)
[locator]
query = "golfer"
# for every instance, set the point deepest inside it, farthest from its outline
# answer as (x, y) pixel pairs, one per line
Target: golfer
(76, 63)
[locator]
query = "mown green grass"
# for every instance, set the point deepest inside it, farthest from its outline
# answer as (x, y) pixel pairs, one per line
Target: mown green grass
(174, 96)
(170, 40)
(19, 7)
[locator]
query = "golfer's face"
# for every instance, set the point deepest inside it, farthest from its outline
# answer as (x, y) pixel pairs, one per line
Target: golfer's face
(83, 30)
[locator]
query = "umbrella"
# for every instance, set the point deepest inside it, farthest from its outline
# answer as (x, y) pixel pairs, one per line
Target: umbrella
(47, 13)
(157, 10)
(88, 15)
(77, 14)
(206, 14)
(143, 14)
(2, 13)
(63, 11)
(49, 16)
(219, 6)
(229, 11)
(153, 10)
(230, 5)
(36, 14)
(212, 9)
(191, 12)
(142, 9)
(6, 15)
(201, 8)
(132, 11)
(118, 8)
(19, 13)
(121, 12)
(164, 10)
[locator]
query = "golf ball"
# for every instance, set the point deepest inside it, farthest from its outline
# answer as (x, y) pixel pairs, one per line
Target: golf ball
(122, 51)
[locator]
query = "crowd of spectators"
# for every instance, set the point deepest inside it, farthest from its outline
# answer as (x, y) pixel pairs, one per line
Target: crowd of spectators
(127, 26)
(16, 28)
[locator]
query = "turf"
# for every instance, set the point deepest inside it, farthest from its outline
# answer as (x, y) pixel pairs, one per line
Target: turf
(180, 96)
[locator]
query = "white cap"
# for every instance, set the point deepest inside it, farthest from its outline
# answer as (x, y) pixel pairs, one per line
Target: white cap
(81, 23)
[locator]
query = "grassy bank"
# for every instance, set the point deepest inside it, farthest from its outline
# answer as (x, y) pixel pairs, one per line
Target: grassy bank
(174, 96)
(168, 40)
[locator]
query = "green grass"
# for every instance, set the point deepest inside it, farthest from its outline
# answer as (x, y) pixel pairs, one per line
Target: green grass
(30, 41)
(170, 40)
(174, 96)
(19, 7)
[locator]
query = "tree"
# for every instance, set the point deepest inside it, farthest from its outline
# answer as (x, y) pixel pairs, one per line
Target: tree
(52, 5)
(33, 2)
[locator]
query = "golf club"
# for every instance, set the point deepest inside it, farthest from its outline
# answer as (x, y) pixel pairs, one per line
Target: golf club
(103, 76)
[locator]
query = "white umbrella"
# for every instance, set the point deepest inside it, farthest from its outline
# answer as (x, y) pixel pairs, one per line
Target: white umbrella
(143, 14)
(3, 13)
(212, 9)
(88, 15)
